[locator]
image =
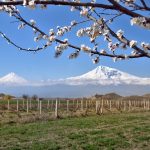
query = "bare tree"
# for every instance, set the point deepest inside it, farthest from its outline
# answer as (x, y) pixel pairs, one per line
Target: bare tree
(100, 16)
(25, 97)
(34, 97)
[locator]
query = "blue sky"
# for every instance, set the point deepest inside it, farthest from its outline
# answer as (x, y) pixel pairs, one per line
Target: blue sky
(43, 65)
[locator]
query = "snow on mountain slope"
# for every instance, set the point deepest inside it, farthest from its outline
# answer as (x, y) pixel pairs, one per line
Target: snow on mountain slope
(105, 76)
(101, 75)
(13, 79)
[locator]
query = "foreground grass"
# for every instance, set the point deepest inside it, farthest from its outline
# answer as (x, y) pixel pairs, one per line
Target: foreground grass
(117, 131)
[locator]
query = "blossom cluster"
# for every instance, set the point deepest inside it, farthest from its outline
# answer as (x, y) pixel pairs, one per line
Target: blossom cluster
(98, 28)
(94, 31)
(141, 21)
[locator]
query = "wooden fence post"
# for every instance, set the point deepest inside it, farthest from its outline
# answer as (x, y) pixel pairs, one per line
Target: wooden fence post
(23, 103)
(124, 105)
(40, 107)
(27, 106)
(129, 105)
(97, 107)
(67, 105)
(148, 105)
(110, 105)
(144, 104)
(77, 103)
(86, 104)
(8, 105)
(48, 104)
(102, 104)
(56, 109)
(82, 105)
(73, 103)
(118, 104)
(17, 105)
(52, 105)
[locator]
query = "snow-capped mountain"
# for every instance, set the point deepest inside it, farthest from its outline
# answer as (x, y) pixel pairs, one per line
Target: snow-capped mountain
(12, 79)
(100, 80)
(101, 75)
(105, 76)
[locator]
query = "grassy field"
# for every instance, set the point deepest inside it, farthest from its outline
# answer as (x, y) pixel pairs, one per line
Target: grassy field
(110, 132)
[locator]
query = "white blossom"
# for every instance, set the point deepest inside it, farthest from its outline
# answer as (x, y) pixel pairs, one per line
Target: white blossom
(32, 4)
(74, 55)
(132, 43)
(96, 60)
(85, 48)
(72, 8)
(115, 59)
(140, 21)
(120, 33)
(61, 47)
(51, 32)
(48, 43)
(36, 39)
(134, 52)
(84, 11)
(145, 46)
(45, 37)
(112, 46)
(103, 51)
(33, 22)
(80, 32)
(21, 26)
(52, 38)
(73, 23)
(126, 57)
(25, 2)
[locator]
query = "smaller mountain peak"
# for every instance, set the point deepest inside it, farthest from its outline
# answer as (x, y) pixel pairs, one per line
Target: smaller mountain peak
(12, 78)
(11, 74)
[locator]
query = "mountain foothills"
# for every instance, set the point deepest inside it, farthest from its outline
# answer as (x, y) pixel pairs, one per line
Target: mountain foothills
(100, 80)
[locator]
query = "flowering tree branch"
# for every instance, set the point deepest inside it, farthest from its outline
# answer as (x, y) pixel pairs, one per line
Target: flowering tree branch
(100, 19)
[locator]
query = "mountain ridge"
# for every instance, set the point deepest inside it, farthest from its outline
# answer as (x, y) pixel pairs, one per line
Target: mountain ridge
(99, 80)
(101, 75)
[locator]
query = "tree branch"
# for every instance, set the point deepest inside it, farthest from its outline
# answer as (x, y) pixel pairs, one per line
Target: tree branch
(126, 11)
(19, 47)
(64, 3)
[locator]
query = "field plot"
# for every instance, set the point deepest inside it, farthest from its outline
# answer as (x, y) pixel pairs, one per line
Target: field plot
(83, 124)
(110, 131)
(72, 107)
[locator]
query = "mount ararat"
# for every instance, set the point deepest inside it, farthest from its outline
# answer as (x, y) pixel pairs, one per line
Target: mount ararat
(100, 80)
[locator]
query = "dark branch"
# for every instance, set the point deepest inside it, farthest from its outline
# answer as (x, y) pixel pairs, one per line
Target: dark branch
(19, 47)
(125, 10)
(96, 5)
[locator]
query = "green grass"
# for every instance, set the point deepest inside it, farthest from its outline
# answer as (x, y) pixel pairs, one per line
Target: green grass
(110, 132)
